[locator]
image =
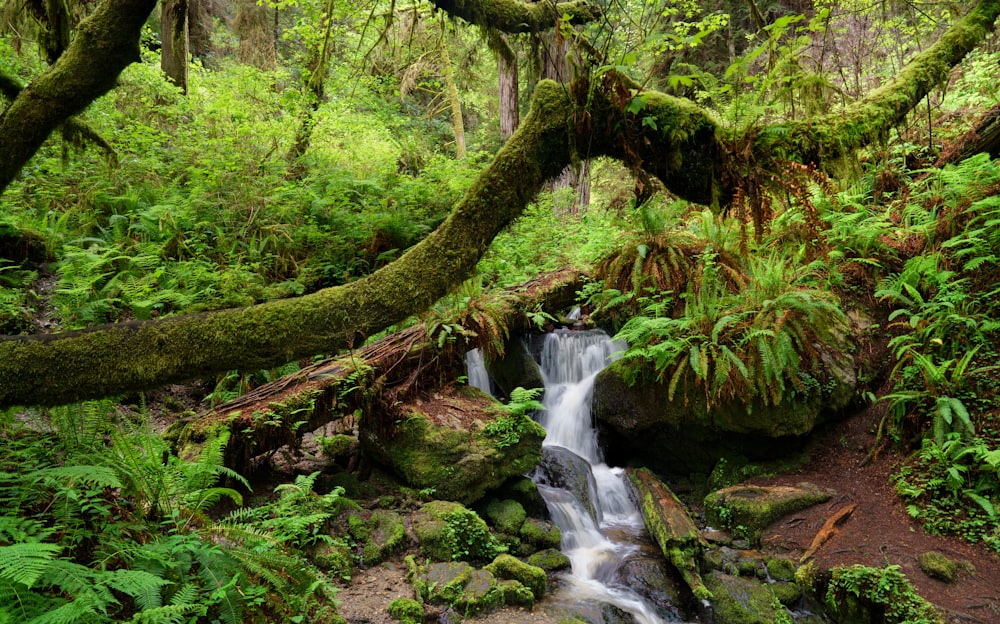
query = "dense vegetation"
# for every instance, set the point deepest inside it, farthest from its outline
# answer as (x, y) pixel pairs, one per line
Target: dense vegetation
(257, 185)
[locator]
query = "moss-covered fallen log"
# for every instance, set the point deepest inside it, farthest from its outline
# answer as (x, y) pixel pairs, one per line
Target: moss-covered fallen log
(372, 379)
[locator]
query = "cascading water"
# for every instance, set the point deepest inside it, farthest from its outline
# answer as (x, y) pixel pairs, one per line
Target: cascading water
(601, 534)
(569, 361)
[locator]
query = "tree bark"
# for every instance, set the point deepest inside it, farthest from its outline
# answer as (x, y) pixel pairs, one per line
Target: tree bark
(174, 42)
(252, 26)
(277, 413)
(984, 137)
(510, 114)
(516, 16)
(105, 43)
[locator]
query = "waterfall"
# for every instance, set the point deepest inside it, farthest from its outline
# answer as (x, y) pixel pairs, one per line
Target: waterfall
(569, 362)
(600, 536)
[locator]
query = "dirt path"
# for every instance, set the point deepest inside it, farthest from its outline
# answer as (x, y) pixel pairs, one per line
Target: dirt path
(879, 532)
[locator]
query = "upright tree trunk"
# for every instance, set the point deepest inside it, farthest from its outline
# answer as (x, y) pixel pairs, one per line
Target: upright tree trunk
(200, 28)
(457, 123)
(174, 40)
(253, 28)
(556, 67)
(510, 114)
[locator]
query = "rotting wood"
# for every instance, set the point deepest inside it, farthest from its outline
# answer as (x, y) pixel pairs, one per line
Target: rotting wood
(379, 374)
(828, 530)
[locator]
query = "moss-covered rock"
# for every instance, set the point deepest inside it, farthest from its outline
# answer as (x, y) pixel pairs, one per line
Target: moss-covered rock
(510, 567)
(541, 533)
(406, 611)
(549, 560)
(462, 587)
(449, 531)
(437, 447)
(334, 558)
(747, 510)
(781, 569)
(524, 491)
(787, 593)
(682, 434)
(514, 593)
(858, 593)
(938, 566)
(386, 535)
(505, 516)
(336, 447)
(739, 600)
(563, 469)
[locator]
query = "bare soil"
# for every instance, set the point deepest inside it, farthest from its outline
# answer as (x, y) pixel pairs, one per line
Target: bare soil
(879, 532)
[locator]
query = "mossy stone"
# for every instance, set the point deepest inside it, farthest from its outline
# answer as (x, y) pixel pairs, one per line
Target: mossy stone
(515, 369)
(549, 560)
(506, 515)
(386, 535)
(509, 567)
(443, 582)
(739, 600)
(541, 533)
(780, 569)
(747, 510)
(514, 593)
(938, 566)
(523, 490)
(334, 558)
(448, 530)
(336, 447)
(444, 453)
(406, 611)
(788, 594)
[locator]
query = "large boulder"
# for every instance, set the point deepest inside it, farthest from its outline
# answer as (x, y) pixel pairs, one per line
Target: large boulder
(445, 444)
(683, 434)
(562, 469)
(749, 509)
(515, 369)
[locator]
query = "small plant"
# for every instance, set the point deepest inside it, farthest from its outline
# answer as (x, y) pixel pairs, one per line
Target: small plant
(508, 427)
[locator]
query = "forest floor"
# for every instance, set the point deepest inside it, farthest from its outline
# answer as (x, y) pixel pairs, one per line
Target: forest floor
(878, 533)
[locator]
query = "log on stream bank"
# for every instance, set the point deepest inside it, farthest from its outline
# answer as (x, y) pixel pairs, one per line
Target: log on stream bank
(368, 382)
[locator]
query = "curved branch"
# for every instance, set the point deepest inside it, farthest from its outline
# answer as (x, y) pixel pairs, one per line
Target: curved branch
(105, 43)
(515, 16)
(60, 368)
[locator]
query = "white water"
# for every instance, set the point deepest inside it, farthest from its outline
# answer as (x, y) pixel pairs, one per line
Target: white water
(570, 360)
(476, 365)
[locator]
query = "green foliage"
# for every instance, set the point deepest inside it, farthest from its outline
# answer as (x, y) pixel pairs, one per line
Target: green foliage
(884, 591)
(102, 523)
(512, 417)
(470, 538)
(762, 344)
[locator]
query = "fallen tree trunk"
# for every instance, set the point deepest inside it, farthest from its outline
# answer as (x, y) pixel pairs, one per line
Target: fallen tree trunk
(373, 378)
(984, 137)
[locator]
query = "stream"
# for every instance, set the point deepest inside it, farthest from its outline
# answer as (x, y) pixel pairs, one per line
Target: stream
(601, 534)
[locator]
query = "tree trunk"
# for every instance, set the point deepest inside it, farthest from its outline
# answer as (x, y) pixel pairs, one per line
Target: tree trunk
(510, 114)
(174, 40)
(105, 43)
(984, 137)
(277, 413)
(253, 28)
(457, 123)
(200, 28)
(575, 176)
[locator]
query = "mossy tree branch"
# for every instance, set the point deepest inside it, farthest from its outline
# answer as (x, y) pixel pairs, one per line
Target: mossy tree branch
(105, 43)
(517, 16)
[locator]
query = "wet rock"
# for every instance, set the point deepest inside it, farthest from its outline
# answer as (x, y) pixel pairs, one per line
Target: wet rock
(563, 469)
(739, 600)
(541, 534)
(549, 560)
(443, 446)
(512, 568)
(516, 369)
(747, 510)
(523, 490)
(651, 579)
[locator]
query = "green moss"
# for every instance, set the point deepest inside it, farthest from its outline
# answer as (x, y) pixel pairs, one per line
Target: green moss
(506, 515)
(337, 446)
(748, 510)
(524, 491)
(936, 565)
(541, 534)
(739, 600)
(406, 610)
(781, 569)
(336, 559)
(858, 592)
(386, 535)
(449, 531)
(549, 560)
(510, 567)
(787, 593)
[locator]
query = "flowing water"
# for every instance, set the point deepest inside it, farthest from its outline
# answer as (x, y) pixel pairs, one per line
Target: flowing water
(601, 540)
